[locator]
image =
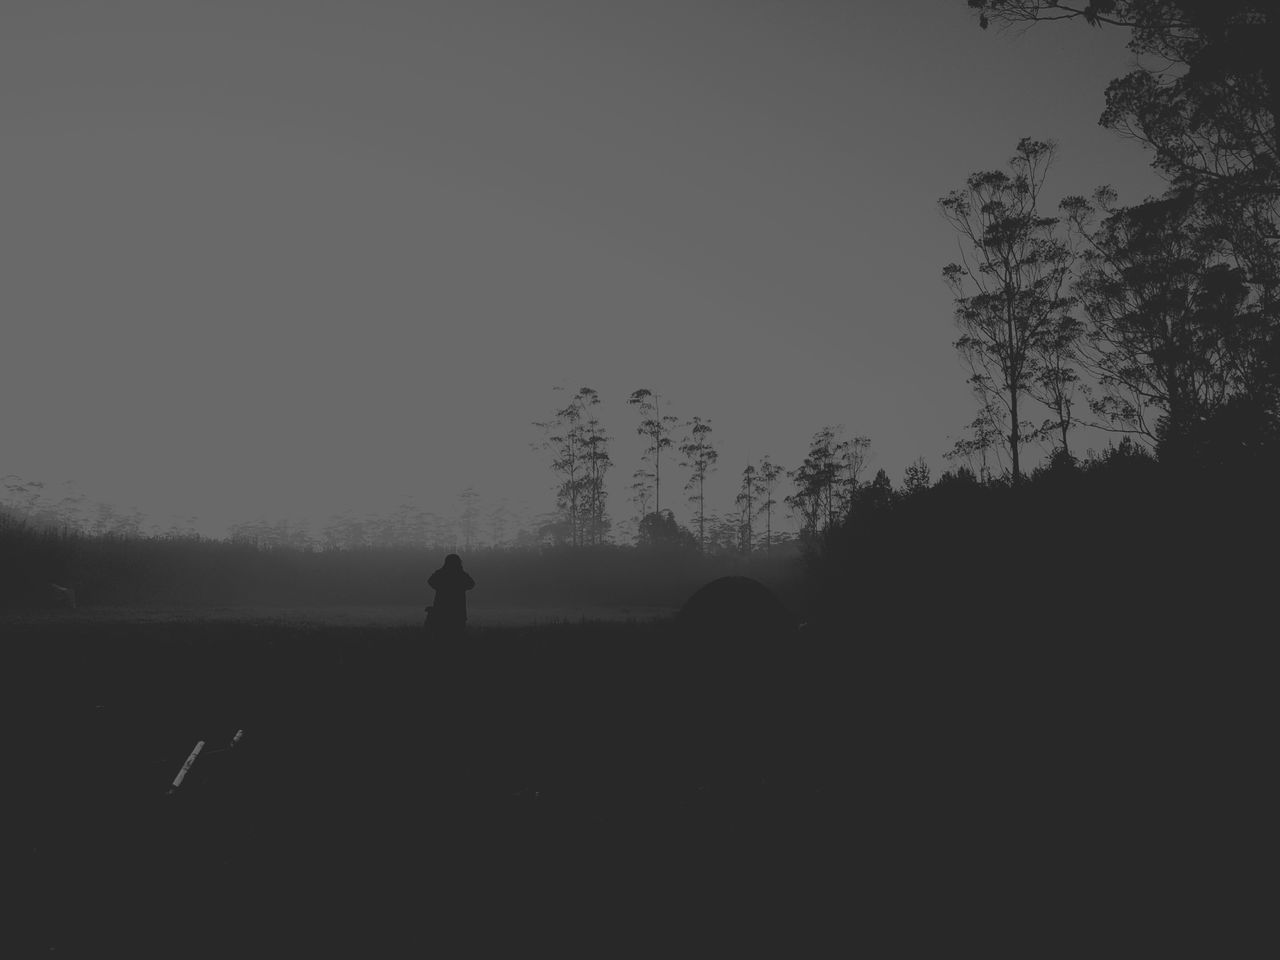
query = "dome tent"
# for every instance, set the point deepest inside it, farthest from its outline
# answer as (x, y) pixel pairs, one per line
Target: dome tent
(735, 607)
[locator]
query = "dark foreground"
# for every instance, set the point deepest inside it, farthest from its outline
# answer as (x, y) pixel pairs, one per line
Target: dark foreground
(599, 788)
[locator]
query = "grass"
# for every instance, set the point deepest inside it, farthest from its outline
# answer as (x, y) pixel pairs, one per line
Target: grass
(533, 769)
(580, 786)
(339, 615)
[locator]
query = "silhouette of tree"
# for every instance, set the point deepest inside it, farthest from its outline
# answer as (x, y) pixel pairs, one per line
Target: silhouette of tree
(659, 530)
(641, 491)
(656, 427)
(878, 494)
(1011, 302)
(699, 459)
(469, 517)
(1056, 382)
(984, 442)
(595, 443)
(748, 494)
(1204, 97)
(1169, 338)
(767, 476)
(916, 477)
(579, 450)
(724, 534)
(825, 483)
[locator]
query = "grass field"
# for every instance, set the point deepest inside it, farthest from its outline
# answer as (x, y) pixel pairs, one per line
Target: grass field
(587, 787)
(385, 615)
(546, 772)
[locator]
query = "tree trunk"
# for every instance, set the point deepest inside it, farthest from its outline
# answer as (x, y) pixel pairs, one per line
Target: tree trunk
(1014, 439)
(657, 483)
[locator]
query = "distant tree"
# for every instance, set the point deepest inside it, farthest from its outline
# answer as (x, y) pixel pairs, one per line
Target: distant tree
(403, 527)
(962, 476)
(579, 458)
(426, 527)
(656, 428)
(248, 532)
(1056, 382)
(554, 529)
(768, 475)
(179, 528)
(626, 530)
(122, 523)
(724, 534)
(595, 444)
(748, 494)
(469, 516)
(854, 455)
(343, 532)
(825, 483)
(1203, 96)
(385, 531)
(700, 457)
(24, 497)
(444, 532)
(288, 535)
(498, 519)
(641, 492)
(984, 441)
(877, 494)
(106, 519)
(916, 477)
(659, 530)
(806, 502)
(1011, 297)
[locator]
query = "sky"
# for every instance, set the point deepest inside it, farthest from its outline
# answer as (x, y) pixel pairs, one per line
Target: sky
(268, 259)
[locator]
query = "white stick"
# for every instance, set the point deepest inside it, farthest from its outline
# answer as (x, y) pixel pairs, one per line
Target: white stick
(177, 781)
(235, 739)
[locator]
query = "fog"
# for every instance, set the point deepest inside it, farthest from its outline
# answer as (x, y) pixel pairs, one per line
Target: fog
(284, 260)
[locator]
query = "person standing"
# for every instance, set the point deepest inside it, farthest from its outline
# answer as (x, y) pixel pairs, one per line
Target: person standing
(447, 616)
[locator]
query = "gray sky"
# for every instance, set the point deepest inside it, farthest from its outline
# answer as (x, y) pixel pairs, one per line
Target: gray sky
(286, 258)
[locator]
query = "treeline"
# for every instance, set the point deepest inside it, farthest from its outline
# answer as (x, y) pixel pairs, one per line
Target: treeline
(1159, 321)
(1118, 545)
(1159, 318)
(578, 445)
(115, 569)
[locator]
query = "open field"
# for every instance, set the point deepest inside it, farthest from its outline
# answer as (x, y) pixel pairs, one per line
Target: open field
(546, 773)
(581, 785)
(339, 615)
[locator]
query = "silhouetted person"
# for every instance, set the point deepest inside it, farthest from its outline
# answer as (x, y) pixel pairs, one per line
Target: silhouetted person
(447, 616)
